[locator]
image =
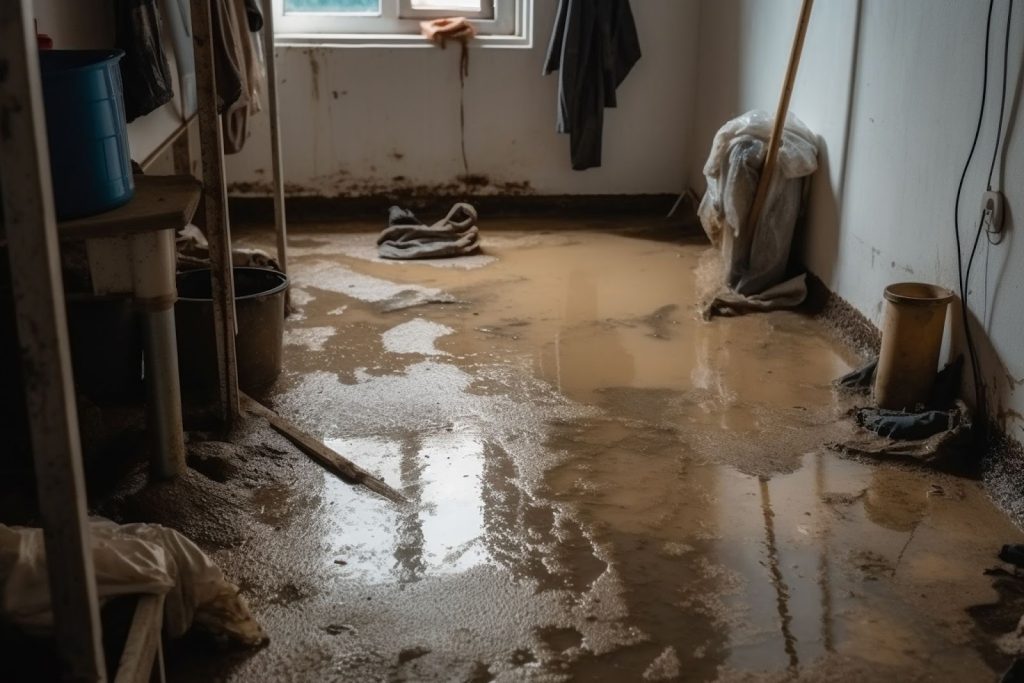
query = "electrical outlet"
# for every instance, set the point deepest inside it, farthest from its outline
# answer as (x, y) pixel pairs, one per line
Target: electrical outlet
(992, 206)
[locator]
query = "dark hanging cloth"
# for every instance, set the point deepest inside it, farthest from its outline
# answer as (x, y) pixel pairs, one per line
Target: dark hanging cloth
(253, 16)
(594, 46)
(145, 74)
(228, 59)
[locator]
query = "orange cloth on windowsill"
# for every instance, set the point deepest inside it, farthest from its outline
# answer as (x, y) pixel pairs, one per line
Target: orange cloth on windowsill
(440, 31)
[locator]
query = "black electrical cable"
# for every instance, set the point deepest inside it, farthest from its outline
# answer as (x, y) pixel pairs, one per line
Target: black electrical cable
(1002, 99)
(979, 384)
(979, 390)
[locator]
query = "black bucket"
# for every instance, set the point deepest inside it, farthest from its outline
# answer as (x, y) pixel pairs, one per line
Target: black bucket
(106, 347)
(259, 306)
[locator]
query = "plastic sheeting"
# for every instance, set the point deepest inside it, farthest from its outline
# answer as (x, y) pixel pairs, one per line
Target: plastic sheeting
(756, 262)
(129, 559)
(145, 74)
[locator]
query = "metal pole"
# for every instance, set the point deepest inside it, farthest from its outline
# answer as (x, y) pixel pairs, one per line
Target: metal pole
(43, 337)
(277, 164)
(153, 284)
(218, 228)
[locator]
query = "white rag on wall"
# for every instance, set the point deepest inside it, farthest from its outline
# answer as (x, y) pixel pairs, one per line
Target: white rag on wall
(756, 261)
(129, 559)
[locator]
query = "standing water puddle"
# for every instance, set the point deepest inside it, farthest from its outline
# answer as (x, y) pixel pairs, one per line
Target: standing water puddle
(601, 484)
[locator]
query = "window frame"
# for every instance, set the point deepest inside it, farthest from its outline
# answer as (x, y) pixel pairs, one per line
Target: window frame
(501, 23)
(486, 12)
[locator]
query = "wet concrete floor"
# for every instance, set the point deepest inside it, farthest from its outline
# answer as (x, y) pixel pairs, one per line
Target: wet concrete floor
(602, 485)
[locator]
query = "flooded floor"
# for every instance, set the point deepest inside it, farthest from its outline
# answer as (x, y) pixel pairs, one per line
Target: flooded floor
(602, 485)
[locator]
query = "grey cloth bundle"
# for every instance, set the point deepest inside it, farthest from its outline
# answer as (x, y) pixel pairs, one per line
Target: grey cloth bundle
(407, 238)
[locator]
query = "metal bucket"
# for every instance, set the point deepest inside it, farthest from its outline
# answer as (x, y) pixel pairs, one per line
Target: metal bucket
(259, 306)
(915, 319)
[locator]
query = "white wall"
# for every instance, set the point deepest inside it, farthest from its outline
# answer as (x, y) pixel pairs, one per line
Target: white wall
(354, 119)
(893, 89)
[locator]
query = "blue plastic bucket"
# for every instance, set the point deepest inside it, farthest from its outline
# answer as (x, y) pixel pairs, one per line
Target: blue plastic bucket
(88, 137)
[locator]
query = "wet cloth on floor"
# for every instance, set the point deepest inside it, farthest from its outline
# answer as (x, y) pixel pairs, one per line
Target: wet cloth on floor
(788, 294)
(914, 440)
(935, 434)
(407, 238)
(896, 424)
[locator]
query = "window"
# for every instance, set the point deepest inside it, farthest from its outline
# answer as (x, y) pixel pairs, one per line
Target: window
(504, 23)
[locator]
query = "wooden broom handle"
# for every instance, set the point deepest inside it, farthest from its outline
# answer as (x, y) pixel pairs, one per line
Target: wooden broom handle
(775, 141)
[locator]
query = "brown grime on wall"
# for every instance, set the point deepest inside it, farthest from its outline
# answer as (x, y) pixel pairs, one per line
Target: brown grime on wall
(314, 69)
(344, 186)
(474, 180)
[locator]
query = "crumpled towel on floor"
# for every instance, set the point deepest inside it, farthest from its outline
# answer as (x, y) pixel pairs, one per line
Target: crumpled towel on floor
(407, 238)
(129, 559)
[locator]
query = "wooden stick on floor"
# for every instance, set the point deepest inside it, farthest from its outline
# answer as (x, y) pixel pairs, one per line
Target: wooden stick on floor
(333, 461)
(775, 142)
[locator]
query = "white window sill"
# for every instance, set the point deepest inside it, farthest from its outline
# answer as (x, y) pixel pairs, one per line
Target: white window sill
(391, 40)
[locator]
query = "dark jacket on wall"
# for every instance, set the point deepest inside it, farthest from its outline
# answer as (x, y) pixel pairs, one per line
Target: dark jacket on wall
(594, 46)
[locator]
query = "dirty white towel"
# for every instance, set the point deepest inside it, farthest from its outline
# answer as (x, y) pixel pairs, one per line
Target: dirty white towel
(755, 268)
(129, 559)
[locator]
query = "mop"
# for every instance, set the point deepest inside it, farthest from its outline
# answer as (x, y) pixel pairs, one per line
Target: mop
(751, 205)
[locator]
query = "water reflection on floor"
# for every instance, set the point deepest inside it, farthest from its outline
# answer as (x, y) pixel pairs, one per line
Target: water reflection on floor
(602, 486)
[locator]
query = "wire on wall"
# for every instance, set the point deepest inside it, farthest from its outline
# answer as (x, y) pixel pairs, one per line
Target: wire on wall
(964, 275)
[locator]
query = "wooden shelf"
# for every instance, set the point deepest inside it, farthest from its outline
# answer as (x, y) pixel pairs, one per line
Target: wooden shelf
(160, 203)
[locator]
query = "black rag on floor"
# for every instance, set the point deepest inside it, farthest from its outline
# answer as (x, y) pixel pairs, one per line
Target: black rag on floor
(1012, 553)
(896, 424)
(940, 413)
(145, 74)
(594, 46)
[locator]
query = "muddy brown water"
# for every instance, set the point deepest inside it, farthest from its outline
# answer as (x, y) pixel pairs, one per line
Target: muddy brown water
(602, 485)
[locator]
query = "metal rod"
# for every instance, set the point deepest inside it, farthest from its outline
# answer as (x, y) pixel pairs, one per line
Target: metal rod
(277, 164)
(155, 290)
(43, 337)
(164, 400)
(218, 228)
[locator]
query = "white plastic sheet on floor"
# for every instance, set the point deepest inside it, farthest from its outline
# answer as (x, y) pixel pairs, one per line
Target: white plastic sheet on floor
(755, 262)
(129, 559)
